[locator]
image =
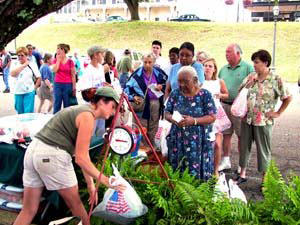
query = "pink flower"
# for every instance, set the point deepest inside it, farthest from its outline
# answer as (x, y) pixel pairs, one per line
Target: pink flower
(258, 117)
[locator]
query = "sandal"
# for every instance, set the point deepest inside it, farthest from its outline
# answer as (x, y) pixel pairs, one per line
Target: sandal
(239, 180)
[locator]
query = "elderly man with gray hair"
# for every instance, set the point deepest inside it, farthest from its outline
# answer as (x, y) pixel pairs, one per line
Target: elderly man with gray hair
(233, 75)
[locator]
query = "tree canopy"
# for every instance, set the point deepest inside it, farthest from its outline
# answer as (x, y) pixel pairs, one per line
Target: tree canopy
(17, 15)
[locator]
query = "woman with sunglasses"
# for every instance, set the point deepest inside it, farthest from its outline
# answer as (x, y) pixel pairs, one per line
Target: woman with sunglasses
(24, 73)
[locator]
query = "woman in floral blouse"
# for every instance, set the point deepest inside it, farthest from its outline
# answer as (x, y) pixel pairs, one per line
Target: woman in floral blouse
(264, 90)
(188, 141)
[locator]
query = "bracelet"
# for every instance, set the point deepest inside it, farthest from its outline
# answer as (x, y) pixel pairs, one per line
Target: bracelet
(195, 121)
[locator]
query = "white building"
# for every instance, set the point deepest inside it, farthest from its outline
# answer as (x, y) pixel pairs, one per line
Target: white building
(160, 10)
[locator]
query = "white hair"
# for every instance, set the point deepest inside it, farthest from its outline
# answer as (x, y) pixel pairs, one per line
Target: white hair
(190, 70)
(150, 55)
(237, 49)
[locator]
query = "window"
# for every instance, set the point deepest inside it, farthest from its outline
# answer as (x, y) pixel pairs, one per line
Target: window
(94, 2)
(78, 6)
(113, 1)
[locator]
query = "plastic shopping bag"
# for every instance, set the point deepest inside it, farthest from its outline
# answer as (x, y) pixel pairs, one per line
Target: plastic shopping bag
(239, 107)
(236, 192)
(67, 220)
(163, 130)
(221, 188)
(222, 121)
(120, 207)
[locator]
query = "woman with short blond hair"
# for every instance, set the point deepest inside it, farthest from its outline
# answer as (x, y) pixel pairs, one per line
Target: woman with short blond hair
(25, 87)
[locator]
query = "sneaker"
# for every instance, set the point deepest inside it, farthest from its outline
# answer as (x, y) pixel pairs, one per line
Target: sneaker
(238, 171)
(6, 91)
(225, 164)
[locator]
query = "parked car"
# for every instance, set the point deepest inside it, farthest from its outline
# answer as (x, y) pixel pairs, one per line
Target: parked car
(115, 19)
(189, 18)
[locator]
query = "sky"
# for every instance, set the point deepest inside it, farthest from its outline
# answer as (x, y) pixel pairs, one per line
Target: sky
(215, 10)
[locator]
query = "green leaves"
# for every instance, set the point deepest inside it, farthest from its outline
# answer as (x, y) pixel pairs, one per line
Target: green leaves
(192, 202)
(37, 2)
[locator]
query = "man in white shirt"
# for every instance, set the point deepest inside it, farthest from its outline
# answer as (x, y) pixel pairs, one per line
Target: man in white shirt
(30, 55)
(159, 60)
(93, 76)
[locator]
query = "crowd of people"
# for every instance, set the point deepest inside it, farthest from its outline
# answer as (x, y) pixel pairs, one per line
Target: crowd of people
(187, 90)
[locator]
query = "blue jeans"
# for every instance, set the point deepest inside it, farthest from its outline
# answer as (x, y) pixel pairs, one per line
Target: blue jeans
(123, 79)
(61, 94)
(5, 77)
(24, 103)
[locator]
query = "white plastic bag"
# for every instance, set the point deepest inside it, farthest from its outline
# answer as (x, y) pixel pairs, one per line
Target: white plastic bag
(120, 207)
(236, 192)
(239, 107)
(222, 186)
(222, 121)
(66, 220)
(163, 130)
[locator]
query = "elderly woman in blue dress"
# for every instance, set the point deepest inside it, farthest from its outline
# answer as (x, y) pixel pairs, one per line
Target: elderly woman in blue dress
(188, 141)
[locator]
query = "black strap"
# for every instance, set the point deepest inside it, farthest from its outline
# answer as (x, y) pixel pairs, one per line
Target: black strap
(33, 75)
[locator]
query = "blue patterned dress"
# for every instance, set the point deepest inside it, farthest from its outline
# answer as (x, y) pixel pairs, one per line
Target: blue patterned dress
(189, 147)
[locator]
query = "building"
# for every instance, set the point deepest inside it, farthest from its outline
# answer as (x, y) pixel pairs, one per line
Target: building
(155, 10)
(262, 10)
(159, 10)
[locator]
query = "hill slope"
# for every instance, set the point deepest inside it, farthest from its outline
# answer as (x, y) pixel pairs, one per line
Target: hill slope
(211, 37)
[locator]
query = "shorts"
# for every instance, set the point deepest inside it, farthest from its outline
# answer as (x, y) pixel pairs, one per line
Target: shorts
(235, 121)
(48, 166)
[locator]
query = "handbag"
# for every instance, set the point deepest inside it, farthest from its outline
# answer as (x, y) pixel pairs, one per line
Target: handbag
(34, 78)
(140, 107)
(239, 107)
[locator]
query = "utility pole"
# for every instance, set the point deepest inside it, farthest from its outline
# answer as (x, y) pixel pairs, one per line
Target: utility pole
(275, 15)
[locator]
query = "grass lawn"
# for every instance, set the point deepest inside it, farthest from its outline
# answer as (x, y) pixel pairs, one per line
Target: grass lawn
(211, 37)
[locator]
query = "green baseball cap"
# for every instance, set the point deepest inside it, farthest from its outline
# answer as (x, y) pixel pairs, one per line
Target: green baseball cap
(108, 92)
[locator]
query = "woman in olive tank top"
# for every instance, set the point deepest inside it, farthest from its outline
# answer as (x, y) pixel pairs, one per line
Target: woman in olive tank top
(48, 159)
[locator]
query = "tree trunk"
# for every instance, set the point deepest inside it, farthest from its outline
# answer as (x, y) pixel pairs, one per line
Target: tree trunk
(17, 15)
(133, 6)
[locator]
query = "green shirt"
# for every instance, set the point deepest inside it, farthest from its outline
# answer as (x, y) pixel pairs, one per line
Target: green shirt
(233, 77)
(124, 65)
(61, 130)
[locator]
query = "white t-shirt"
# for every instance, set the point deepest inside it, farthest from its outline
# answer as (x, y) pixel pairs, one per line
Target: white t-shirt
(162, 63)
(214, 87)
(168, 68)
(23, 83)
(92, 77)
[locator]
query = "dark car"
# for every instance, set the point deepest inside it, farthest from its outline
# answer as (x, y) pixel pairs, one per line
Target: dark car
(189, 18)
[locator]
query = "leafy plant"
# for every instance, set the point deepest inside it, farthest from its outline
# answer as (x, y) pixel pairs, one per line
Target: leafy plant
(190, 201)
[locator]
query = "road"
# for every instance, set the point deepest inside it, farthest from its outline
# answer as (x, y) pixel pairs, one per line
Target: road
(285, 144)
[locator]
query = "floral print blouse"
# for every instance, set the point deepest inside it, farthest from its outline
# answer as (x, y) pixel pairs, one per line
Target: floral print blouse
(263, 97)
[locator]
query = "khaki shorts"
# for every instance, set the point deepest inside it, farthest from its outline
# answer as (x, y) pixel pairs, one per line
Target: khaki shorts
(235, 121)
(48, 166)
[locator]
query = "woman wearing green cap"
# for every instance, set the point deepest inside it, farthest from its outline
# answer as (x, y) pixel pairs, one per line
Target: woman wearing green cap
(48, 159)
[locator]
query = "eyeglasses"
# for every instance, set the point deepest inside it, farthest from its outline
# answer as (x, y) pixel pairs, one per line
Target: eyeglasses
(185, 56)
